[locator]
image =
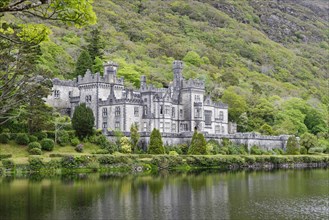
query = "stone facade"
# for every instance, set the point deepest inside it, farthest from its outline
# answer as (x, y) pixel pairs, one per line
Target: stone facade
(182, 107)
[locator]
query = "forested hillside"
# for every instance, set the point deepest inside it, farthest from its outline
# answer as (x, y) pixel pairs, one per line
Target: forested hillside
(267, 59)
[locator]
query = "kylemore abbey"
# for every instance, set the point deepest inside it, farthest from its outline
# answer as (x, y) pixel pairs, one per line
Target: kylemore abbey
(181, 107)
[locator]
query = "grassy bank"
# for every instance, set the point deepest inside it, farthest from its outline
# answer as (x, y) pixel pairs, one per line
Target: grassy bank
(82, 163)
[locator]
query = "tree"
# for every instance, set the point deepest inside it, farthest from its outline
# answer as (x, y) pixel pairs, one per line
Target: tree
(156, 144)
(134, 136)
(125, 145)
(236, 104)
(20, 46)
(308, 141)
(79, 13)
(84, 63)
(266, 129)
(292, 146)
(98, 66)
(198, 144)
(95, 45)
(19, 77)
(193, 58)
(83, 121)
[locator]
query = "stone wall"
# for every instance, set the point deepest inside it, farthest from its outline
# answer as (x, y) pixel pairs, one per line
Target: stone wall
(249, 139)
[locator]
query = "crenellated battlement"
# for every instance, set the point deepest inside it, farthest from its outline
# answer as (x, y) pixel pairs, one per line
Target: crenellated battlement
(193, 83)
(89, 77)
(60, 82)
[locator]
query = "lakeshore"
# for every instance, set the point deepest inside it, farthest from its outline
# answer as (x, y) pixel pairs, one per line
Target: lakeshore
(57, 163)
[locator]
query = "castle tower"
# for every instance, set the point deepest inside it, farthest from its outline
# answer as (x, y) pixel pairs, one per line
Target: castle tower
(143, 82)
(177, 69)
(110, 69)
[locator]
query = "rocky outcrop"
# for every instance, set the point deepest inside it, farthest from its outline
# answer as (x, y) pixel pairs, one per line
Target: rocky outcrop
(283, 21)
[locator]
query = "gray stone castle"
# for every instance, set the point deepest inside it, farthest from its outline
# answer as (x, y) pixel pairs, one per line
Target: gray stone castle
(182, 107)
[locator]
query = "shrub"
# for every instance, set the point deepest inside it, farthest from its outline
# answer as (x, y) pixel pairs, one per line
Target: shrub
(5, 156)
(125, 145)
(223, 150)
(292, 146)
(34, 145)
(4, 138)
(316, 150)
(156, 144)
(12, 136)
(165, 161)
(118, 159)
(75, 142)
(101, 140)
(198, 144)
(63, 138)
(22, 139)
(173, 153)
(36, 163)
(69, 161)
(256, 150)
(71, 133)
(215, 146)
(180, 149)
(41, 135)
(302, 150)
(278, 151)
(8, 164)
(79, 148)
(92, 139)
(35, 151)
(47, 144)
(51, 134)
(33, 138)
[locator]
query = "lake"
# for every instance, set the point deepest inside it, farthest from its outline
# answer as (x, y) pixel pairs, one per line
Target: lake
(276, 194)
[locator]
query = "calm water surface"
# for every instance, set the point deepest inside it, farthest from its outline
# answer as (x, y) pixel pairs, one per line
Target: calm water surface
(283, 194)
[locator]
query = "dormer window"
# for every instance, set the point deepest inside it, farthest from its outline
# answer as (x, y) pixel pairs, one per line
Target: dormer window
(56, 94)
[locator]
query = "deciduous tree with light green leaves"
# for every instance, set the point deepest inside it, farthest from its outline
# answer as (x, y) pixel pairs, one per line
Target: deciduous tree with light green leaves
(19, 46)
(308, 141)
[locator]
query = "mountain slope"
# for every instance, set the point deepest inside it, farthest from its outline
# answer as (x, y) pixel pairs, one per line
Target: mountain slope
(257, 49)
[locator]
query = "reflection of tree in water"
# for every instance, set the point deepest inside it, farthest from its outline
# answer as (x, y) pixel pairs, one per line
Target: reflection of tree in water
(156, 185)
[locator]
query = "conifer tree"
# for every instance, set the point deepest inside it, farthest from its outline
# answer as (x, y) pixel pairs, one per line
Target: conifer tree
(198, 144)
(95, 45)
(292, 146)
(84, 62)
(83, 121)
(156, 144)
(134, 136)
